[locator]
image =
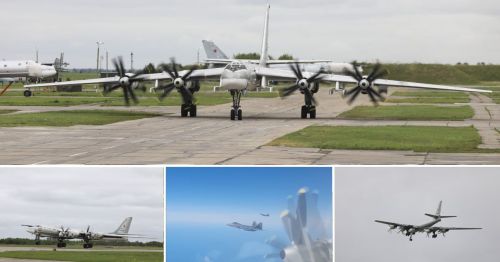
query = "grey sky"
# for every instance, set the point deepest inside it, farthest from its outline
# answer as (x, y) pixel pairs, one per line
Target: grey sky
(403, 195)
(79, 196)
(443, 31)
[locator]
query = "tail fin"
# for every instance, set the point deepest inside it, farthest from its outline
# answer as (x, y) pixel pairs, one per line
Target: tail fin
(213, 51)
(259, 226)
(124, 226)
(264, 56)
(438, 213)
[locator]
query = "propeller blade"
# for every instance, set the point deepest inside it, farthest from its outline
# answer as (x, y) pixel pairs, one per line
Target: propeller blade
(356, 93)
(376, 93)
(186, 76)
(174, 67)
(309, 95)
(117, 67)
(166, 90)
(372, 97)
(351, 91)
(132, 94)
(137, 74)
(289, 90)
(108, 90)
(122, 66)
(375, 70)
(314, 77)
(186, 95)
(125, 96)
(356, 70)
(352, 74)
(169, 72)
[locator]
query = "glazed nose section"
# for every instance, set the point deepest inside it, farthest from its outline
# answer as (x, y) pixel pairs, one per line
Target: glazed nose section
(233, 83)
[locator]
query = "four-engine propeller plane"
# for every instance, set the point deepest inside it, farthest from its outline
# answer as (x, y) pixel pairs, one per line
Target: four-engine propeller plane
(61, 234)
(429, 228)
(238, 76)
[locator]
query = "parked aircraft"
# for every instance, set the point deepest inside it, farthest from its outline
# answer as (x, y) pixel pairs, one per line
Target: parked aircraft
(429, 228)
(62, 234)
(13, 71)
(253, 227)
(239, 76)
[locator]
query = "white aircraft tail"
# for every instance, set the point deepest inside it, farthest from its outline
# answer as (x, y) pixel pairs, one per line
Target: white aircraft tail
(264, 56)
(213, 51)
(124, 227)
(438, 215)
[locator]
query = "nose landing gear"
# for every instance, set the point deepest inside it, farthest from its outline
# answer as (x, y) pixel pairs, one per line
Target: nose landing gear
(236, 111)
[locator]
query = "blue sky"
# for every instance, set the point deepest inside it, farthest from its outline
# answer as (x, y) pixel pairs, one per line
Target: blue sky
(202, 200)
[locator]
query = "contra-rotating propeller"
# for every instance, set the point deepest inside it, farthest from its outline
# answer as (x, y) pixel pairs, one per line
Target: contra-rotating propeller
(179, 82)
(125, 82)
(302, 83)
(365, 83)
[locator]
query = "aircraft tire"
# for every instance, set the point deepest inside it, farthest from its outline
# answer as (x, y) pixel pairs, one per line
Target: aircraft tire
(192, 111)
(303, 112)
(233, 114)
(27, 93)
(240, 114)
(312, 113)
(184, 112)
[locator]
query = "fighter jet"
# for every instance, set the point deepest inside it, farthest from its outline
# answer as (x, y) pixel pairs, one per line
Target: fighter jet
(253, 227)
(429, 228)
(62, 234)
(264, 215)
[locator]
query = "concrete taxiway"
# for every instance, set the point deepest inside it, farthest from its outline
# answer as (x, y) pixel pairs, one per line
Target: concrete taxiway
(212, 138)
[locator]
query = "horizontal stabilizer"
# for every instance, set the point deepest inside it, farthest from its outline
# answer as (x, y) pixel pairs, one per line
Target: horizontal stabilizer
(438, 217)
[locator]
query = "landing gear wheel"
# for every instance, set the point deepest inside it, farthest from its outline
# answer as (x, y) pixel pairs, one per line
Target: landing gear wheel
(303, 112)
(27, 93)
(192, 111)
(240, 115)
(233, 114)
(184, 111)
(63, 245)
(312, 112)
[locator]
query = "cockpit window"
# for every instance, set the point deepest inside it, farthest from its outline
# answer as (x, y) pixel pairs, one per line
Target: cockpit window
(235, 67)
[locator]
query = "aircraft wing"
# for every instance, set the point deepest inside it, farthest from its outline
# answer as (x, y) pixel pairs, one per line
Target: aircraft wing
(281, 74)
(77, 82)
(453, 228)
(281, 62)
(392, 223)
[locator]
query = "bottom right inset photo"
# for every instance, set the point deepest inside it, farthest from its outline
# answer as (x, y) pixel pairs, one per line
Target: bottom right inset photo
(417, 213)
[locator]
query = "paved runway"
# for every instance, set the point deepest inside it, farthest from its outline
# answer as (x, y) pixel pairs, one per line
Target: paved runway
(212, 138)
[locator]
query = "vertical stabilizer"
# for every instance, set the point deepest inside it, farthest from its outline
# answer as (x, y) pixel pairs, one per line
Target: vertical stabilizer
(438, 211)
(213, 51)
(263, 52)
(124, 226)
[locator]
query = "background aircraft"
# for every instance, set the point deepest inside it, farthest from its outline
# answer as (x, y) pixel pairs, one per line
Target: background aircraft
(239, 76)
(429, 228)
(253, 227)
(62, 234)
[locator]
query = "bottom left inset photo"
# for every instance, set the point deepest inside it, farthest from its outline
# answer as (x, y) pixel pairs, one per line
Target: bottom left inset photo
(92, 213)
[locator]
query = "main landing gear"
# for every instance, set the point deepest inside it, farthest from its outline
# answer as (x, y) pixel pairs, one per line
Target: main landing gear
(188, 107)
(309, 108)
(27, 93)
(88, 245)
(61, 244)
(236, 111)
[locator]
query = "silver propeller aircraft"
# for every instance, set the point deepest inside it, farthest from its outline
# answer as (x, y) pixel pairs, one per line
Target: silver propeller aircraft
(61, 234)
(305, 230)
(238, 76)
(429, 228)
(253, 227)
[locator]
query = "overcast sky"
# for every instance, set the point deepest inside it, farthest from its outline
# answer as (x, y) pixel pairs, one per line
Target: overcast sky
(403, 195)
(75, 197)
(445, 31)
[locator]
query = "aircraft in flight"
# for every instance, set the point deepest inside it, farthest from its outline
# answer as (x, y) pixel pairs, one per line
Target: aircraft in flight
(264, 215)
(309, 241)
(239, 76)
(429, 228)
(62, 234)
(253, 227)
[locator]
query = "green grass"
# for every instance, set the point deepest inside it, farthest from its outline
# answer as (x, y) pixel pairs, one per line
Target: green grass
(6, 111)
(53, 101)
(71, 118)
(431, 94)
(414, 112)
(428, 100)
(416, 138)
(80, 256)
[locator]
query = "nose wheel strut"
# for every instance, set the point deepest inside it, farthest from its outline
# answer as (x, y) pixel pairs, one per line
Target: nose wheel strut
(236, 112)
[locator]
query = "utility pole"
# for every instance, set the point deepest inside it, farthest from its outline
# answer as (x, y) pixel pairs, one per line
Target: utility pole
(107, 69)
(99, 43)
(36, 56)
(131, 61)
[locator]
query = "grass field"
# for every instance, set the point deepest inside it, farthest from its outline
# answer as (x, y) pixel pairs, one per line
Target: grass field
(428, 97)
(416, 138)
(55, 101)
(94, 256)
(71, 118)
(6, 111)
(413, 112)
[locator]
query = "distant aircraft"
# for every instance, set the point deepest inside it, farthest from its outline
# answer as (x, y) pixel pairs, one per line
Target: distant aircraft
(264, 215)
(238, 76)
(429, 228)
(308, 239)
(12, 71)
(253, 227)
(61, 234)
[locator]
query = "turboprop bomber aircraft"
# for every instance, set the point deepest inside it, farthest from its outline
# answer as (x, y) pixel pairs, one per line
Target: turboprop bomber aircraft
(62, 234)
(238, 76)
(429, 228)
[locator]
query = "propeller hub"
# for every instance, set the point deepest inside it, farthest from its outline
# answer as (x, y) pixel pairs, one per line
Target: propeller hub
(124, 80)
(364, 83)
(303, 83)
(178, 82)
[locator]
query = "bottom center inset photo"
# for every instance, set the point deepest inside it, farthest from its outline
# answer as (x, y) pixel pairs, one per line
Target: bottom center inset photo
(249, 214)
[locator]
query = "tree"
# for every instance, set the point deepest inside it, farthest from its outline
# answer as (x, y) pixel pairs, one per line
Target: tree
(252, 56)
(285, 57)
